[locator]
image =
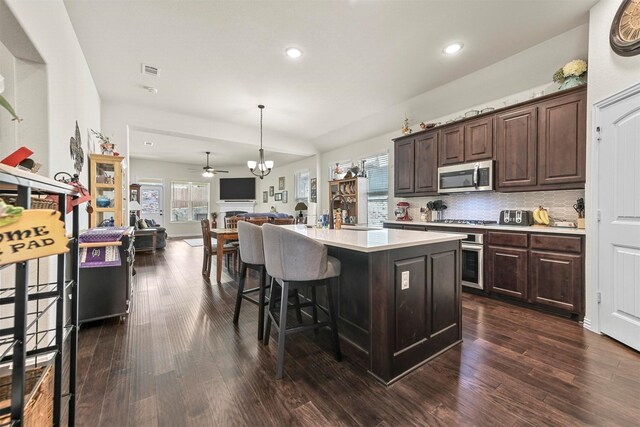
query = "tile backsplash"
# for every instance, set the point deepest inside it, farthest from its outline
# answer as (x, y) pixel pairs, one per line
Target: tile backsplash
(487, 205)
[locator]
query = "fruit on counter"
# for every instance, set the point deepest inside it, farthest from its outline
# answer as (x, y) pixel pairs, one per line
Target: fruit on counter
(9, 214)
(541, 216)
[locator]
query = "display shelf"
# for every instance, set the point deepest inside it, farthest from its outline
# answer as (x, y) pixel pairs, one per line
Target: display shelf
(20, 343)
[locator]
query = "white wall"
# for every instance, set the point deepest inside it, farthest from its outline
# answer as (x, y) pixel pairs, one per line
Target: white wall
(309, 164)
(608, 75)
(69, 93)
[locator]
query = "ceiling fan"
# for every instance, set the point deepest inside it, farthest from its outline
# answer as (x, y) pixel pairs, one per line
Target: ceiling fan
(208, 171)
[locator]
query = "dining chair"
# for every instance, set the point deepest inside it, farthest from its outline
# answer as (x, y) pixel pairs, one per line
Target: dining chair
(210, 249)
(283, 221)
(257, 220)
(295, 261)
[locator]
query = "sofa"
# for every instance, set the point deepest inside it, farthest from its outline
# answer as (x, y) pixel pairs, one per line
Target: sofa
(144, 240)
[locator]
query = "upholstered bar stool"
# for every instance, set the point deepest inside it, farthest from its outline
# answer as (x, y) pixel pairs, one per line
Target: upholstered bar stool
(296, 261)
(252, 257)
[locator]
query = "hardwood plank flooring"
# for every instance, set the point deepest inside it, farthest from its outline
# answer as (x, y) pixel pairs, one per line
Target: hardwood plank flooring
(178, 360)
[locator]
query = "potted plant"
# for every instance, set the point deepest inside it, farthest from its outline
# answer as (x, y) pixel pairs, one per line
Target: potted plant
(571, 75)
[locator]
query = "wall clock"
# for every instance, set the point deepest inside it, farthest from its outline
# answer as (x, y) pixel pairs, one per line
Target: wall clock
(625, 29)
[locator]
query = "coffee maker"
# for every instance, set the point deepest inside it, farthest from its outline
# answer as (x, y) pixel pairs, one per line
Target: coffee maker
(402, 212)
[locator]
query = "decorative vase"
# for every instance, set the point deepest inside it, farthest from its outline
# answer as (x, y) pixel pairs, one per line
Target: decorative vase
(581, 223)
(572, 81)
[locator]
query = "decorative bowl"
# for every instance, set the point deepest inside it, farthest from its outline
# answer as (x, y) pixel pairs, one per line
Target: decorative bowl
(103, 202)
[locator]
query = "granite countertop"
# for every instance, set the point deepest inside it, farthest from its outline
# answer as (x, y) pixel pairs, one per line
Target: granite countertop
(532, 228)
(373, 240)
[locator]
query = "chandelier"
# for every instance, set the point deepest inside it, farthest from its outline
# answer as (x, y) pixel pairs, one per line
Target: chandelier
(261, 168)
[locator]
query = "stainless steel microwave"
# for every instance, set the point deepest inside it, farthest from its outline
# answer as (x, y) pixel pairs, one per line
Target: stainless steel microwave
(465, 178)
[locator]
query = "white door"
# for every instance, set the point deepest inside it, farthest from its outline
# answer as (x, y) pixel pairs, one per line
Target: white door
(619, 227)
(151, 202)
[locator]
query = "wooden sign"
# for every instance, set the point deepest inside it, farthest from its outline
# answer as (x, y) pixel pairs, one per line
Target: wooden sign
(37, 233)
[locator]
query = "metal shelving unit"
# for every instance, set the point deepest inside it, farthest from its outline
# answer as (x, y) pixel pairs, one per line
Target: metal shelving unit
(25, 341)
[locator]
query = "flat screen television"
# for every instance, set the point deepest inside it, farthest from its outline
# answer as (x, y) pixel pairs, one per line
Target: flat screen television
(237, 188)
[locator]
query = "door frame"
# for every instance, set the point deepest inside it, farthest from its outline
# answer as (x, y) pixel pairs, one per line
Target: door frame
(592, 229)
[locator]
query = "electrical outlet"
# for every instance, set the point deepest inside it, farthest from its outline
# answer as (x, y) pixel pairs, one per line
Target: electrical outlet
(405, 280)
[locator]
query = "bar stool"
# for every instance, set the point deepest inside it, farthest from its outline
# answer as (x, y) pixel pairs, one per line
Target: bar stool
(252, 257)
(295, 261)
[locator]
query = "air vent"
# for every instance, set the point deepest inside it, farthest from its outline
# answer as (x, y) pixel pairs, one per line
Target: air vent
(150, 70)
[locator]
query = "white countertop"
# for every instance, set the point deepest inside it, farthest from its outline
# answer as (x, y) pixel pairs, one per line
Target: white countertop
(498, 227)
(373, 240)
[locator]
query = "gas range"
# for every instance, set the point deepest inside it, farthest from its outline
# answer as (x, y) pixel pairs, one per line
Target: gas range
(466, 221)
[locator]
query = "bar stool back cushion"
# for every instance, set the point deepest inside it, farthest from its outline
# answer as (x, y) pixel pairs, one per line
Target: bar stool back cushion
(291, 256)
(251, 249)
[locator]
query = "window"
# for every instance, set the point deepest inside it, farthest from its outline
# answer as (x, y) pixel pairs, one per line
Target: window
(189, 201)
(301, 181)
(377, 168)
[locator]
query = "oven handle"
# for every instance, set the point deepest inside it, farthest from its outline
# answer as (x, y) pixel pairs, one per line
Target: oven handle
(472, 247)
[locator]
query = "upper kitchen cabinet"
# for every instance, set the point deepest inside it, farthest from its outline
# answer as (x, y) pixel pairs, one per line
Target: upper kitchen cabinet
(426, 164)
(404, 166)
(541, 144)
(478, 140)
(562, 140)
(416, 165)
(467, 142)
(516, 141)
(451, 146)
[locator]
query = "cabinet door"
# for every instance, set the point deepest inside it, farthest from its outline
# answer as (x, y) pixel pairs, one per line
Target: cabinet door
(516, 142)
(508, 272)
(556, 280)
(451, 146)
(426, 164)
(562, 140)
(478, 140)
(404, 166)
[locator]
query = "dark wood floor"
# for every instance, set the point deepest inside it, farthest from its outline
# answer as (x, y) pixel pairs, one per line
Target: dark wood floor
(178, 360)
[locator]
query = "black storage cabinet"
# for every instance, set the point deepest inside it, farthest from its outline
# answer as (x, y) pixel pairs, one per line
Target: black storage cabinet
(106, 291)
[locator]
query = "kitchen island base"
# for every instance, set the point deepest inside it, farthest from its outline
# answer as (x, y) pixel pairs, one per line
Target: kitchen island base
(400, 306)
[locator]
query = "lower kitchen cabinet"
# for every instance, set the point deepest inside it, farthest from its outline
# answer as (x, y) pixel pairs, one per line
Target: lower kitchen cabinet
(556, 280)
(508, 271)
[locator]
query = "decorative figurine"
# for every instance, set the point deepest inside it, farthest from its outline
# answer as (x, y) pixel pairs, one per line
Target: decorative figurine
(405, 127)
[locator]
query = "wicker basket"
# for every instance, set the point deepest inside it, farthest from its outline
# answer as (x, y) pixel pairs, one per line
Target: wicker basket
(36, 202)
(38, 408)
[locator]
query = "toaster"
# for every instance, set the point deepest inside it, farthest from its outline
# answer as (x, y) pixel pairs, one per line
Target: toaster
(516, 217)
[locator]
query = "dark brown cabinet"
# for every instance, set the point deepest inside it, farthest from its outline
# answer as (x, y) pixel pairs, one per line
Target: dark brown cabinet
(516, 143)
(543, 146)
(451, 146)
(416, 165)
(404, 158)
(542, 269)
(556, 280)
(561, 140)
(426, 164)
(508, 271)
(478, 140)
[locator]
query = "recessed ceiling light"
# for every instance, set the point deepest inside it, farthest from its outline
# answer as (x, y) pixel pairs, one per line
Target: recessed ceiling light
(452, 48)
(148, 143)
(293, 52)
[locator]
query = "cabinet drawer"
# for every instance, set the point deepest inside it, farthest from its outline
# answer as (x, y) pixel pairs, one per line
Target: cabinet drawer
(518, 240)
(556, 243)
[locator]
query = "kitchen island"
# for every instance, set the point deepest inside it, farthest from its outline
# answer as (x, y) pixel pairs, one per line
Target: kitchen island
(399, 296)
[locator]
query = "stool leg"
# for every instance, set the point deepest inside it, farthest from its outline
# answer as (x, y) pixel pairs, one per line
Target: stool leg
(204, 262)
(297, 305)
(243, 278)
(209, 265)
(334, 321)
(272, 304)
(282, 330)
(314, 309)
(261, 293)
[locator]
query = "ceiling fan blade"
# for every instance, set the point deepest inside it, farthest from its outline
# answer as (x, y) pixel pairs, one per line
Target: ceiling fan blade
(219, 171)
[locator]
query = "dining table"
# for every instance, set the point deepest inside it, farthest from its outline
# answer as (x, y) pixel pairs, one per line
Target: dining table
(222, 235)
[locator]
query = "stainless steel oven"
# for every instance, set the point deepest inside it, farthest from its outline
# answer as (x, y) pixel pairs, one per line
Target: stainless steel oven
(467, 177)
(472, 261)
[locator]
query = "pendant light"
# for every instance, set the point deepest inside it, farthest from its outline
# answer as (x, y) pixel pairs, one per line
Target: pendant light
(261, 168)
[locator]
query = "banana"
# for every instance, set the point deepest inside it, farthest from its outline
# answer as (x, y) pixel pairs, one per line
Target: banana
(541, 216)
(544, 215)
(536, 216)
